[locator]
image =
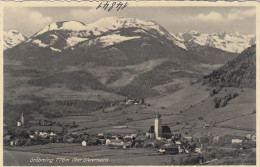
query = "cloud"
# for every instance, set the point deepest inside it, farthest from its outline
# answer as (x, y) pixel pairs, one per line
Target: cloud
(212, 16)
(233, 15)
(87, 15)
(241, 14)
(25, 19)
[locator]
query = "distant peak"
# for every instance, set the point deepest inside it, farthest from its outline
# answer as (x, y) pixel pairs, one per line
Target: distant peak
(193, 32)
(13, 31)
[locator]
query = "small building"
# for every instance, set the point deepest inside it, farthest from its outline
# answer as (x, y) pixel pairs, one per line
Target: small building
(150, 134)
(12, 143)
(253, 137)
(43, 134)
(15, 142)
(70, 140)
(19, 123)
(133, 136)
(249, 136)
(84, 143)
(169, 150)
(52, 134)
(102, 141)
(177, 142)
(8, 137)
(236, 141)
(206, 126)
(198, 150)
(31, 136)
(188, 138)
(127, 145)
(117, 143)
(128, 138)
(215, 139)
(100, 134)
(129, 101)
(180, 149)
(108, 141)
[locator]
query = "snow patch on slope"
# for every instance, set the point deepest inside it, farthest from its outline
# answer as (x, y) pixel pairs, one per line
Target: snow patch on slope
(55, 49)
(72, 41)
(43, 45)
(109, 40)
(39, 43)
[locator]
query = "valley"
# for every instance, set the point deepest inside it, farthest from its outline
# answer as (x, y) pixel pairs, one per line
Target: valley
(100, 82)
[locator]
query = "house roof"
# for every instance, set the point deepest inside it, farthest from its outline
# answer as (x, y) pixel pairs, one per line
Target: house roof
(165, 129)
(116, 141)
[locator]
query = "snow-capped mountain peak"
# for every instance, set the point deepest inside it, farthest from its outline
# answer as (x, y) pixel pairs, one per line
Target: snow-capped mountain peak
(114, 23)
(63, 25)
(235, 43)
(70, 33)
(12, 38)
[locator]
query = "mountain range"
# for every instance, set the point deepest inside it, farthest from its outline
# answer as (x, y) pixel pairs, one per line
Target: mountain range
(122, 54)
(234, 43)
(188, 40)
(107, 61)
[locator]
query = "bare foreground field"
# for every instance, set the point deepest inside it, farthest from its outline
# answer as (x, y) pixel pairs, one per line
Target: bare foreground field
(135, 156)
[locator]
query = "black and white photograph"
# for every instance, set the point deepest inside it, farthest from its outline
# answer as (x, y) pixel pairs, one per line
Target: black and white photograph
(114, 84)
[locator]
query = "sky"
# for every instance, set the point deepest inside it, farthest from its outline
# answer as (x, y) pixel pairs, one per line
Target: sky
(175, 19)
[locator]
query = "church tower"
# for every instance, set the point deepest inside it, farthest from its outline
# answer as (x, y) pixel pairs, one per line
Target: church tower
(158, 126)
(22, 120)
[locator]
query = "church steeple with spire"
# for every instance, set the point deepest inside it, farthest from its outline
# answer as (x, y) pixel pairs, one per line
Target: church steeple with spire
(158, 125)
(22, 119)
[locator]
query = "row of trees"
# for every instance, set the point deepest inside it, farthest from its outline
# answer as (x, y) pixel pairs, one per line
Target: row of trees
(222, 101)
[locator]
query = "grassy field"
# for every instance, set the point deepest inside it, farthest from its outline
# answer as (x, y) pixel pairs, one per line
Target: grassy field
(196, 107)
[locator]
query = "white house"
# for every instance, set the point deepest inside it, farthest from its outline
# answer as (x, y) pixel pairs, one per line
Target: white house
(43, 134)
(52, 134)
(198, 150)
(32, 136)
(177, 142)
(107, 141)
(114, 142)
(236, 141)
(253, 137)
(19, 124)
(84, 143)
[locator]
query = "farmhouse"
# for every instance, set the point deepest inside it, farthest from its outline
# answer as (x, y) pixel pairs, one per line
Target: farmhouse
(177, 142)
(84, 143)
(236, 141)
(169, 150)
(52, 134)
(113, 142)
(158, 130)
(15, 142)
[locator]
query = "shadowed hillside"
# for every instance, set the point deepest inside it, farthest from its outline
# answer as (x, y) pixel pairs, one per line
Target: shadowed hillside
(239, 72)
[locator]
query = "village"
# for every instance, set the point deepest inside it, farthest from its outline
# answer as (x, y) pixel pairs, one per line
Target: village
(158, 138)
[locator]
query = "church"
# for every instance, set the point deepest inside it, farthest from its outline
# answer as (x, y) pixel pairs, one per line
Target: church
(21, 121)
(158, 130)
